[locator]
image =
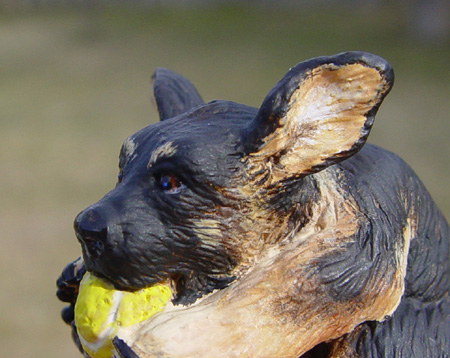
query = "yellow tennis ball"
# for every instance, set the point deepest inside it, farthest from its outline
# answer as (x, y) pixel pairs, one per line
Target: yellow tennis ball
(101, 312)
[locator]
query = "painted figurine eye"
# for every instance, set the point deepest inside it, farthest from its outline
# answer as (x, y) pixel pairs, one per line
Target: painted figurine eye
(170, 184)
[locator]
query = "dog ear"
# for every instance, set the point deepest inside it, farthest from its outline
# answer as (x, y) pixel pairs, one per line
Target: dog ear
(318, 114)
(173, 93)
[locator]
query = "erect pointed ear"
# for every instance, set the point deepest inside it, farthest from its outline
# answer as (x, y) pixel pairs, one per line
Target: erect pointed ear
(319, 113)
(173, 93)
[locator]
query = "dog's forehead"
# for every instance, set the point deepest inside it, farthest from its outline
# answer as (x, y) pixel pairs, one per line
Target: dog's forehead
(214, 127)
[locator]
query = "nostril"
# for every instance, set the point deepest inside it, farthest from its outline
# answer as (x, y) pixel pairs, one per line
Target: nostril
(91, 231)
(94, 246)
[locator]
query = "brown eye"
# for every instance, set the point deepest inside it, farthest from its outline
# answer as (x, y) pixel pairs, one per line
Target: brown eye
(170, 184)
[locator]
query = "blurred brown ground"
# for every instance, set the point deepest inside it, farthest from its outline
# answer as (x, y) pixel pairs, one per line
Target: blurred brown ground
(74, 84)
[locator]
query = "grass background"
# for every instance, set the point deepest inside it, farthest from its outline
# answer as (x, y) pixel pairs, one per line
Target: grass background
(74, 84)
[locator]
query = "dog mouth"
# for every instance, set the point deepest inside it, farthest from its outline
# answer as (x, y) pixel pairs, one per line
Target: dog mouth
(182, 291)
(128, 266)
(123, 282)
(125, 272)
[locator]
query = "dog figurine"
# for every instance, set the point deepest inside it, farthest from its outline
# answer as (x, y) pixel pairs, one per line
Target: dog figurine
(282, 233)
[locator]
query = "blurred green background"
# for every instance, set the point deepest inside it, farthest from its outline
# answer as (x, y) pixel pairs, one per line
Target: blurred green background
(74, 82)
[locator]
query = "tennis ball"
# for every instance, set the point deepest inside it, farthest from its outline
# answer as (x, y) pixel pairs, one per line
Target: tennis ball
(101, 312)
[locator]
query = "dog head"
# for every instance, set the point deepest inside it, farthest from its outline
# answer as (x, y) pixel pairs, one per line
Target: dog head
(203, 193)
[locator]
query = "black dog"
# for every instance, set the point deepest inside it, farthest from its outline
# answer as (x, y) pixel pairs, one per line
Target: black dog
(280, 231)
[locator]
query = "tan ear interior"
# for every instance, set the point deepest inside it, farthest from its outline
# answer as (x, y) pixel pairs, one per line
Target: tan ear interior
(325, 116)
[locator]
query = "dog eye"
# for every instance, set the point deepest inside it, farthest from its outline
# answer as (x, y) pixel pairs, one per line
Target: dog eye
(170, 184)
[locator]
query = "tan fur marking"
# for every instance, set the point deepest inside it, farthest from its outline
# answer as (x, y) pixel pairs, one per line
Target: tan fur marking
(167, 150)
(208, 230)
(130, 147)
(409, 231)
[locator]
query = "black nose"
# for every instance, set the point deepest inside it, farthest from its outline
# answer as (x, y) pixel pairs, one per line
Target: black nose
(91, 230)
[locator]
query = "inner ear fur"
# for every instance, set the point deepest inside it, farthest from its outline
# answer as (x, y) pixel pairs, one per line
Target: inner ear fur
(319, 113)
